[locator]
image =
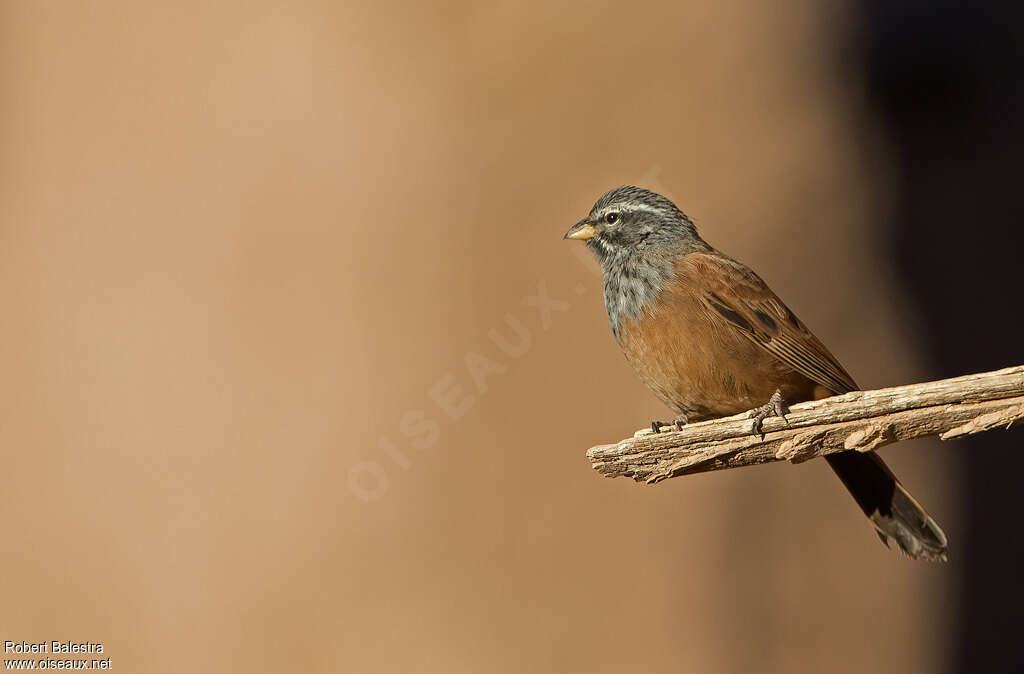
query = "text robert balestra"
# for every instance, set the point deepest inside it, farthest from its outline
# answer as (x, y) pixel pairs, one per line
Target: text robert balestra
(53, 647)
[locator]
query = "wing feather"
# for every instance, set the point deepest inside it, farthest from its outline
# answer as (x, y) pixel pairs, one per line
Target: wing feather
(739, 296)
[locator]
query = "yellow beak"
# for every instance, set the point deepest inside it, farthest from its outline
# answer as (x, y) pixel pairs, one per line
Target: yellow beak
(582, 230)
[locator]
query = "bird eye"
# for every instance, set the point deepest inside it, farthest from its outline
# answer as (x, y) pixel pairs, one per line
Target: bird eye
(611, 218)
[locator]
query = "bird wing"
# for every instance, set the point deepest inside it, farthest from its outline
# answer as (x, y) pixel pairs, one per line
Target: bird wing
(733, 291)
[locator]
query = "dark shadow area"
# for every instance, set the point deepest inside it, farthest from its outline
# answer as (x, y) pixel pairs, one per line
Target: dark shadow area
(947, 83)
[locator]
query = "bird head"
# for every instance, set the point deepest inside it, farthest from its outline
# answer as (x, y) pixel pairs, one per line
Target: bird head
(632, 219)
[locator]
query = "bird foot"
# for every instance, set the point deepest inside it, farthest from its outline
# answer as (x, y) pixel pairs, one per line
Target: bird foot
(775, 407)
(678, 423)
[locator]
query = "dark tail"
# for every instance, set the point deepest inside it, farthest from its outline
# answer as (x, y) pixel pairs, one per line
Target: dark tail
(888, 505)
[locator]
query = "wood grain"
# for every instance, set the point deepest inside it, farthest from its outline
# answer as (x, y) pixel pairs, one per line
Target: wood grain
(861, 420)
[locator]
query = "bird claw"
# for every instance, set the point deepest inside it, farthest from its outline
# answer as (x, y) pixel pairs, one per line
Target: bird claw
(775, 407)
(678, 423)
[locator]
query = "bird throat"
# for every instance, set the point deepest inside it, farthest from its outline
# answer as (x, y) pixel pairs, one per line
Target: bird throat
(631, 282)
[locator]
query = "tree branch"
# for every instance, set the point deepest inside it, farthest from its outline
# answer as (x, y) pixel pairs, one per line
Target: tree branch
(862, 420)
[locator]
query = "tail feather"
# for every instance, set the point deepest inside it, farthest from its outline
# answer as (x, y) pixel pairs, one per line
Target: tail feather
(890, 507)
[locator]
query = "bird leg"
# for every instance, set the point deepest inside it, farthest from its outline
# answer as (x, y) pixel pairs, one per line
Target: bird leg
(775, 407)
(678, 422)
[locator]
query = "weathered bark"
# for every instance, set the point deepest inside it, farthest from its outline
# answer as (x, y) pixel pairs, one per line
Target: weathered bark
(862, 420)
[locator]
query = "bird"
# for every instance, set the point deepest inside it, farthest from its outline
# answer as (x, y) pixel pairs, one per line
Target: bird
(710, 339)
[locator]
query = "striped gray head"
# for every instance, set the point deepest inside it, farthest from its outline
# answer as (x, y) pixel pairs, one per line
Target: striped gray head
(637, 235)
(630, 220)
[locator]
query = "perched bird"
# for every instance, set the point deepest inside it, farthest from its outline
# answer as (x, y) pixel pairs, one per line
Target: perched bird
(711, 339)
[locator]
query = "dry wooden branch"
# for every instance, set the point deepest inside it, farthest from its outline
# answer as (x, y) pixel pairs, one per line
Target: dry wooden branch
(862, 420)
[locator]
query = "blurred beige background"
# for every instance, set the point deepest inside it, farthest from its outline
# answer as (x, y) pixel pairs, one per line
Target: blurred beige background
(246, 250)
